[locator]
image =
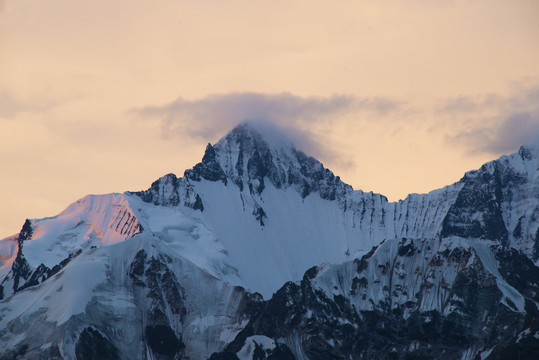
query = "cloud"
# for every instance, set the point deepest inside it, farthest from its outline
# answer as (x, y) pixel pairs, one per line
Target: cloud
(518, 129)
(504, 136)
(458, 105)
(11, 106)
(302, 118)
(8, 106)
(211, 117)
(493, 123)
(215, 114)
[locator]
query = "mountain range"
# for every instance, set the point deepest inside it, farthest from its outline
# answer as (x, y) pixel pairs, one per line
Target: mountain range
(260, 252)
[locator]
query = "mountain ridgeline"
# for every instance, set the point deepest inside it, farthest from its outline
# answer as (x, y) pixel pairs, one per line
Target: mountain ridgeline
(260, 252)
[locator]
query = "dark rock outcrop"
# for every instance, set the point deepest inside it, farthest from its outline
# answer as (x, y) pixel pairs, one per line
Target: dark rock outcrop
(93, 345)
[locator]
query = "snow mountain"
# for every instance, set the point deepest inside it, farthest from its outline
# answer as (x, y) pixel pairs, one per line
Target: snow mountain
(260, 252)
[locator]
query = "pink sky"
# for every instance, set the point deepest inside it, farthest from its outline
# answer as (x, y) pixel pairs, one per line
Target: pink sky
(394, 96)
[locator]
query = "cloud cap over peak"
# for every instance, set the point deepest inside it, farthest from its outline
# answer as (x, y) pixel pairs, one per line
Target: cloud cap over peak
(213, 116)
(217, 113)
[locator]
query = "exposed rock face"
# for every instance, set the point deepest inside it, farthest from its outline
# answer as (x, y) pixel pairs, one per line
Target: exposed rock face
(162, 192)
(20, 268)
(247, 159)
(250, 158)
(500, 201)
(93, 345)
(418, 299)
(163, 298)
(209, 169)
(171, 191)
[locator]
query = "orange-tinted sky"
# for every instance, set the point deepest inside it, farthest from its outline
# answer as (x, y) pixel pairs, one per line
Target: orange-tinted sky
(395, 96)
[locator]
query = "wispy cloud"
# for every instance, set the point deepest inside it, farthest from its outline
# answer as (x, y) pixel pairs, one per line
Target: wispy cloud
(494, 123)
(11, 105)
(216, 114)
(8, 105)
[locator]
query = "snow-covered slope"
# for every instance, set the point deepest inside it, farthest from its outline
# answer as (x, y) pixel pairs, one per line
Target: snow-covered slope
(259, 195)
(95, 220)
(286, 205)
(182, 261)
(8, 252)
(114, 297)
(45, 244)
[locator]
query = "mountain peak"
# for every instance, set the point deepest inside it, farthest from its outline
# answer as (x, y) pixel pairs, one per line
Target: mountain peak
(257, 133)
(529, 150)
(257, 152)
